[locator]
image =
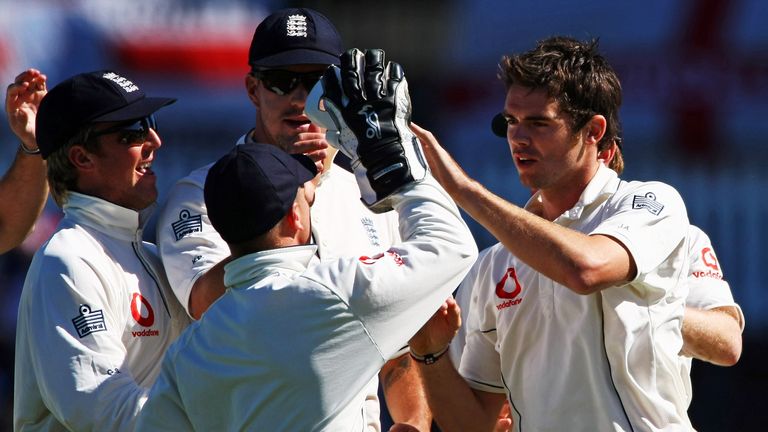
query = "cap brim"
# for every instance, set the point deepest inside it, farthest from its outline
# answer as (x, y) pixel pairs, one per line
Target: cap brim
(297, 57)
(138, 109)
(310, 169)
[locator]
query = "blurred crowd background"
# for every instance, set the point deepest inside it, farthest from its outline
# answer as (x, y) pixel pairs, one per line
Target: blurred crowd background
(694, 74)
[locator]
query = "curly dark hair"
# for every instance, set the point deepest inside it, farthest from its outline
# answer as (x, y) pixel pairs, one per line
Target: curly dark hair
(575, 75)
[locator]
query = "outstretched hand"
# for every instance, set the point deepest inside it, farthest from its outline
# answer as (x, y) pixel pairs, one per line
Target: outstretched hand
(22, 100)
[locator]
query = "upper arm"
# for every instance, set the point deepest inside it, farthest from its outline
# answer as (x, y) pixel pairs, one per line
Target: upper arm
(648, 224)
(189, 246)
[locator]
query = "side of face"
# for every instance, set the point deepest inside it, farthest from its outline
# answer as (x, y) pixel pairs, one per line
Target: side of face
(119, 170)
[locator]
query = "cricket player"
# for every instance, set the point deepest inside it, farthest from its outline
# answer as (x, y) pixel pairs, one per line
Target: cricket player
(294, 342)
(96, 313)
(579, 307)
(290, 50)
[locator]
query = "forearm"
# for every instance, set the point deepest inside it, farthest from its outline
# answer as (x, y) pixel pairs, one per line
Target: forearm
(712, 335)
(455, 406)
(583, 263)
(578, 261)
(25, 186)
(404, 393)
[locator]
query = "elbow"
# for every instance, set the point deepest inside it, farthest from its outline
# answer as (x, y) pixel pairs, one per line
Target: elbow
(731, 353)
(585, 282)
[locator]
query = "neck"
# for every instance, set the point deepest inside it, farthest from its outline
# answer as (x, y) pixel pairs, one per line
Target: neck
(559, 198)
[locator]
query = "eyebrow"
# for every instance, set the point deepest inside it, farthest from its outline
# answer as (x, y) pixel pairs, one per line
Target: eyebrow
(533, 117)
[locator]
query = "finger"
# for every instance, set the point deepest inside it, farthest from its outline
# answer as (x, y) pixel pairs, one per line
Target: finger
(374, 74)
(352, 63)
(27, 75)
(394, 76)
(316, 150)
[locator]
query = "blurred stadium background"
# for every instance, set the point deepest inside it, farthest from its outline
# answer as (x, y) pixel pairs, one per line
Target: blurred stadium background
(694, 72)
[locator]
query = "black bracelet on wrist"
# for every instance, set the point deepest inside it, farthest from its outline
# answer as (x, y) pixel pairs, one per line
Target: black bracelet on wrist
(27, 150)
(428, 359)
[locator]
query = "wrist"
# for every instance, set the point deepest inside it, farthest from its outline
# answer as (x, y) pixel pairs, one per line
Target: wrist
(29, 150)
(428, 359)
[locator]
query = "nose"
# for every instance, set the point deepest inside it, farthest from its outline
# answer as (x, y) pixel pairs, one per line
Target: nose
(152, 143)
(299, 96)
(517, 135)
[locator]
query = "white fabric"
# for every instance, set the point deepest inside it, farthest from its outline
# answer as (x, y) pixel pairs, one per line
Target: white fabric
(341, 226)
(292, 346)
(706, 288)
(605, 361)
(96, 263)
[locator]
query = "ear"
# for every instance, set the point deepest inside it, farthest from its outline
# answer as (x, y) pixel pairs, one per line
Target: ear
(607, 155)
(251, 84)
(81, 158)
(293, 218)
(595, 129)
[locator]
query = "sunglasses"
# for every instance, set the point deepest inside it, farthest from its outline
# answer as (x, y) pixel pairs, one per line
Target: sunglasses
(132, 132)
(283, 82)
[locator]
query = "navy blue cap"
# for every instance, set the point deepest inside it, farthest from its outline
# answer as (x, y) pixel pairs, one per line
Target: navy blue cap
(252, 187)
(293, 37)
(101, 96)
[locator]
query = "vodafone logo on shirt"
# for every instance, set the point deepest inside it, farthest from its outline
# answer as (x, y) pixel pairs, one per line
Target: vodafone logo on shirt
(390, 254)
(142, 312)
(508, 289)
(709, 258)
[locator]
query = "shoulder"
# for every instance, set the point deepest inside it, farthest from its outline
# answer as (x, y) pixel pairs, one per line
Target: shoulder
(195, 177)
(653, 190)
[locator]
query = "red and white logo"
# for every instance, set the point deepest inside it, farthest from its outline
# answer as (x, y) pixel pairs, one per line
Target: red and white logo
(371, 260)
(142, 311)
(505, 290)
(709, 258)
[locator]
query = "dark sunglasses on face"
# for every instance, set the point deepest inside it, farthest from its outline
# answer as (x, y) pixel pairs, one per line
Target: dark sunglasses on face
(283, 82)
(132, 132)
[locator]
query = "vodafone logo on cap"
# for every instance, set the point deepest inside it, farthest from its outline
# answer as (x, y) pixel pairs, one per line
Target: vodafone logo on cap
(142, 311)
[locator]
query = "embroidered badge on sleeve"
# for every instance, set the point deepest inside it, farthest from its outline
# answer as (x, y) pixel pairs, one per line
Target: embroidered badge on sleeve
(648, 202)
(186, 225)
(89, 321)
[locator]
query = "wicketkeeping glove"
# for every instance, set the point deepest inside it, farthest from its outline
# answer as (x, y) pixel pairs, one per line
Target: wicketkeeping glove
(367, 110)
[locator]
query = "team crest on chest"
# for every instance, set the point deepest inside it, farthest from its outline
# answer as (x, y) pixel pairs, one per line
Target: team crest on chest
(370, 230)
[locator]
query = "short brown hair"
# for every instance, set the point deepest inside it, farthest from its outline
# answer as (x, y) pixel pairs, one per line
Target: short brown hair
(576, 76)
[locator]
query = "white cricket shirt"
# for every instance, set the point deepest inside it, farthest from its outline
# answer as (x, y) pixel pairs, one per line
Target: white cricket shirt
(95, 318)
(600, 362)
(292, 346)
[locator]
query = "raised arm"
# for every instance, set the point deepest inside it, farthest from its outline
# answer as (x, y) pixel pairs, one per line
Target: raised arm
(24, 184)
